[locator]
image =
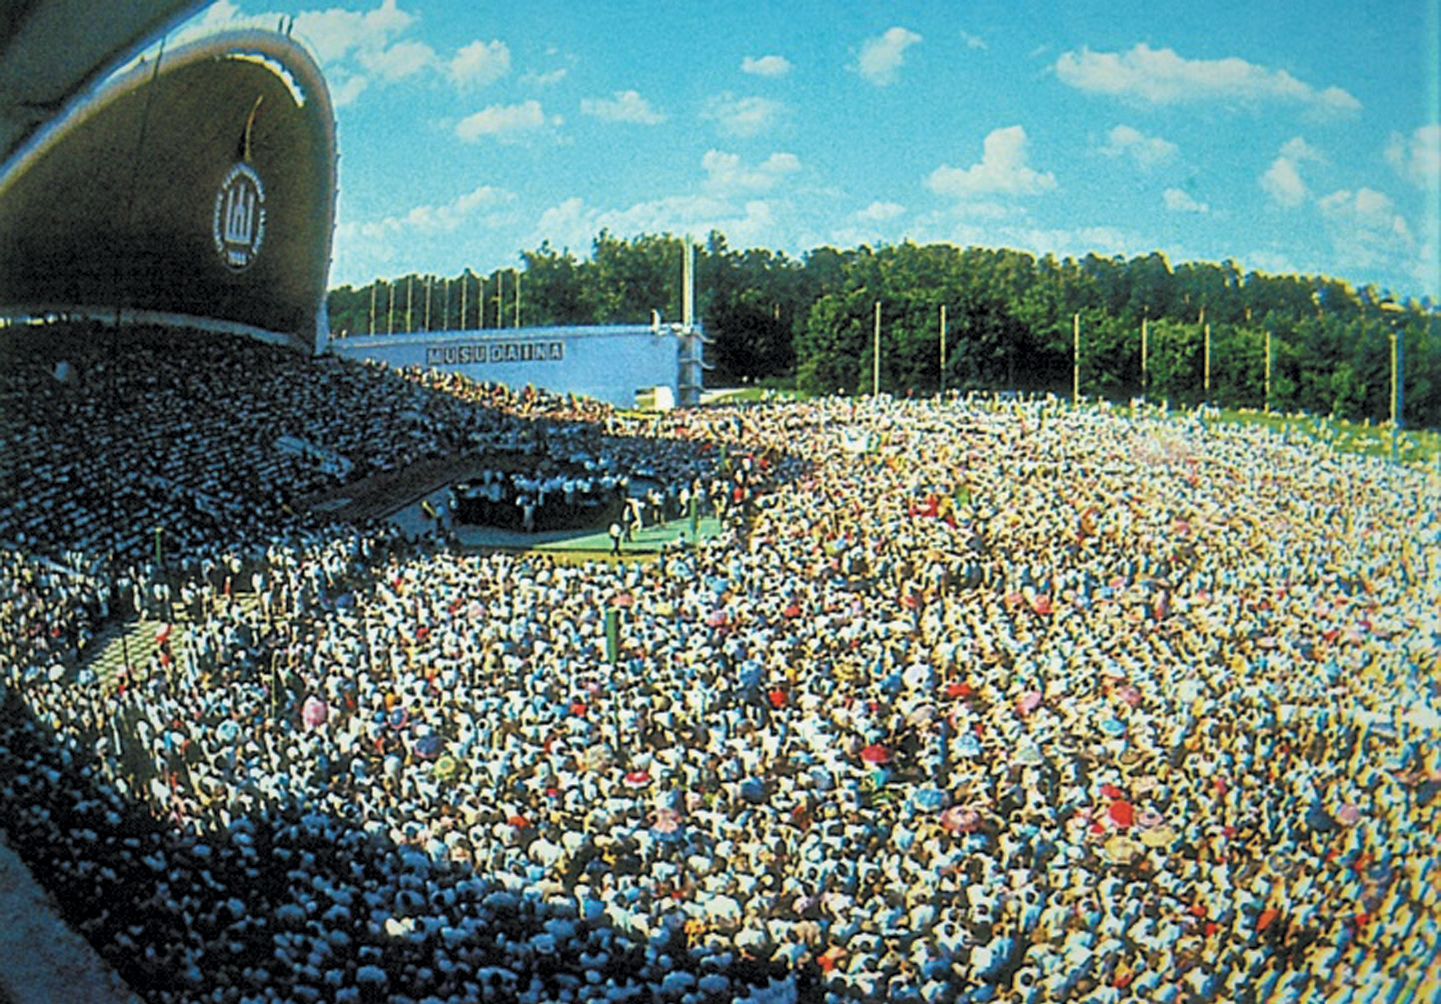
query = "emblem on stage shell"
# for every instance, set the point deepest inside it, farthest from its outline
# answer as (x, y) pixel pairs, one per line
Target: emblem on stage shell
(238, 226)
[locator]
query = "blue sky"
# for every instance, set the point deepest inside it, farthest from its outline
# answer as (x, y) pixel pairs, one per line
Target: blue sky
(1291, 139)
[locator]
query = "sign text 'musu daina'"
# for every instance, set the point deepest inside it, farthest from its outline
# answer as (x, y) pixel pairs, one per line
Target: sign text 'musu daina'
(495, 352)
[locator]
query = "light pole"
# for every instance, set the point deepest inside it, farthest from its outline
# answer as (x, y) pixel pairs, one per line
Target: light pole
(1145, 319)
(1206, 363)
(1393, 309)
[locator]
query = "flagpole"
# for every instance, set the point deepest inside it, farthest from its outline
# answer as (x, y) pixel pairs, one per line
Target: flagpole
(943, 350)
(876, 354)
(1076, 361)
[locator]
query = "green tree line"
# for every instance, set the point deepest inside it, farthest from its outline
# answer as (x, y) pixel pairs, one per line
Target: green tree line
(1009, 321)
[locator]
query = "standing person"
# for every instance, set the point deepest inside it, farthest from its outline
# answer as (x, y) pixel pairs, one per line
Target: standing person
(615, 538)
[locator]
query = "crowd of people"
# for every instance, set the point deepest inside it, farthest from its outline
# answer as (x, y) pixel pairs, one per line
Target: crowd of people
(980, 701)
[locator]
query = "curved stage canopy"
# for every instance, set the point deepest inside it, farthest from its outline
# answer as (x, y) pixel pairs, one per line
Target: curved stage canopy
(201, 187)
(51, 50)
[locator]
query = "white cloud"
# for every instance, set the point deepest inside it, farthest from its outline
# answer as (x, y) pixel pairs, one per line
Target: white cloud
(1366, 206)
(504, 122)
(974, 41)
(1271, 263)
(548, 79)
(363, 247)
(624, 106)
(726, 173)
(336, 33)
(766, 66)
(1282, 181)
(1366, 231)
(1178, 201)
(398, 61)
(742, 116)
(1003, 170)
(345, 88)
(1417, 157)
(880, 212)
(574, 224)
(1161, 76)
(480, 63)
(882, 57)
(428, 219)
(357, 49)
(1298, 149)
(1146, 151)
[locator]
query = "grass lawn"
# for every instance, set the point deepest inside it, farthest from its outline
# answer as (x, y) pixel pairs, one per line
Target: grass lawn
(1413, 446)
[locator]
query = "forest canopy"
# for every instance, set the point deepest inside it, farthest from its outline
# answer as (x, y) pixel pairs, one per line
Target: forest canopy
(1009, 315)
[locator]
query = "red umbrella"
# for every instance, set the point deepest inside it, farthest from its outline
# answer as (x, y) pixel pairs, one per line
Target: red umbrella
(875, 754)
(1123, 813)
(637, 778)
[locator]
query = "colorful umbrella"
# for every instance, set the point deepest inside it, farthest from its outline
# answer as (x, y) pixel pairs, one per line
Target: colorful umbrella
(1158, 836)
(1123, 850)
(447, 768)
(1122, 813)
(875, 753)
(930, 799)
(959, 819)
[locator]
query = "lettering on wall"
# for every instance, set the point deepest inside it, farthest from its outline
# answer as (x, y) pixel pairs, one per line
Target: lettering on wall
(495, 352)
